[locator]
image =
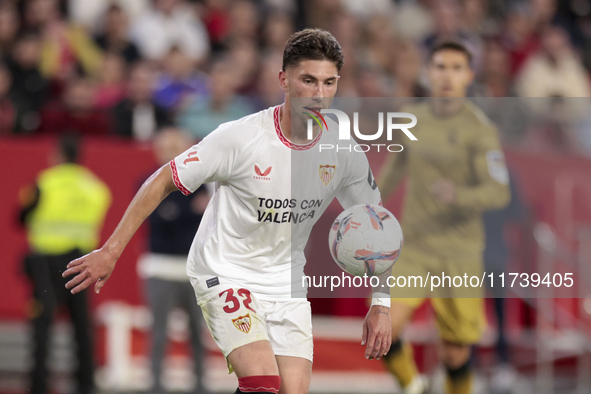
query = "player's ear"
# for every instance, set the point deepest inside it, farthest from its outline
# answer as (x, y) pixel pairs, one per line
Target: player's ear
(283, 83)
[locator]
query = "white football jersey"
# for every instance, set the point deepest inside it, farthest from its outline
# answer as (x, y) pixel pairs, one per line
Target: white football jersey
(269, 193)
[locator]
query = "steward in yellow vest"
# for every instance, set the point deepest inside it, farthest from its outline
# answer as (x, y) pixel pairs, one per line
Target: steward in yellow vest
(63, 214)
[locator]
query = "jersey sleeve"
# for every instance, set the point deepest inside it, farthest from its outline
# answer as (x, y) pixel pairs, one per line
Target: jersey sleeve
(491, 187)
(392, 173)
(359, 185)
(211, 160)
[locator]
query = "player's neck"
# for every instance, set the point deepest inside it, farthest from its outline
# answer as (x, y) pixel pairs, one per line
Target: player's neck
(444, 107)
(297, 136)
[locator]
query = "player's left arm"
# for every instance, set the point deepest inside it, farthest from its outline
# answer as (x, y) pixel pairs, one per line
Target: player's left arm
(359, 187)
(377, 326)
(490, 189)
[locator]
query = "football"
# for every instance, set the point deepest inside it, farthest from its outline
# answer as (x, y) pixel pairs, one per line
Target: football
(365, 240)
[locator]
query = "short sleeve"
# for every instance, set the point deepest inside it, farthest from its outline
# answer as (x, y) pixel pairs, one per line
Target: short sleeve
(490, 189)
(211, 160)
(358, 185)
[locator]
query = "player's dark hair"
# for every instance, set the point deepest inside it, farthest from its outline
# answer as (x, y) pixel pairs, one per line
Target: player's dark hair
(312, 44)
(69, 146)
(451, 46)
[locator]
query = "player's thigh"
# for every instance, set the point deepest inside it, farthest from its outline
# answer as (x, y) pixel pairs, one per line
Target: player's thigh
(253, 359)
(240, 331)
(289, 325)
(411, 273)
(460, 320)
(296, 373)
(401, 310)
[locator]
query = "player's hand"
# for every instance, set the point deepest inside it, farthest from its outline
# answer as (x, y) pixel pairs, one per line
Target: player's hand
(444, 191)
(377, 332)
(95, 267)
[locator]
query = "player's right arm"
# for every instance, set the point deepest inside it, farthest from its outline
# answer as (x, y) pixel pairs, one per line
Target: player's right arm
(211, 160)
(391, 174)
(97, 266)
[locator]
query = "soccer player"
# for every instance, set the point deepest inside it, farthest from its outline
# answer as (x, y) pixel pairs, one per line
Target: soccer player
(456, 171)
(249, 247)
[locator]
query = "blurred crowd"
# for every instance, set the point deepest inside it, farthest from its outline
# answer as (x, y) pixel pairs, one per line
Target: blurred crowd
(132, 67)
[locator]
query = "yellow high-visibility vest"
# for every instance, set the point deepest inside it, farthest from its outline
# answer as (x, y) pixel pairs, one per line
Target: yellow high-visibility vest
(72, 206)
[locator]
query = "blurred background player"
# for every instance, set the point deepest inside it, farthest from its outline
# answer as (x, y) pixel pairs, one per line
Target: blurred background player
(172, 227)
(63, 214)
(456, 170)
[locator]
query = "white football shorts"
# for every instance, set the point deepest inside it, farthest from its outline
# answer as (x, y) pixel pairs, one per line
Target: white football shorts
(236, 318)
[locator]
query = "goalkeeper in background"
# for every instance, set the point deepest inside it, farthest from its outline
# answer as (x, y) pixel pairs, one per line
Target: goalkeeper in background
(456, 170)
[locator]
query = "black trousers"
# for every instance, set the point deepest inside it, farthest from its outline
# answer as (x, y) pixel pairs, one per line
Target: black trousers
(163, 295)
(49, 292)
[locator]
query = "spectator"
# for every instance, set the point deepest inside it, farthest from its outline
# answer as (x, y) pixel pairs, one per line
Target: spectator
(495, 77)
(555, 70)
(205, 114)
(378, 42)
(76, 113)
(90, 13)
(365, 10)
(216, 18)
(406, 69)
(8, 109)
(247, 56)
(474, 17)
(63, 214)
(268, 91)
(170, 23)
(371, 82)
(114, 35)
(65, 46)
(278, 27)
(449, 27)
(519, 36)
(138, 116)
(496, 95)
(9, 26)
(413, 20)
(172, 228)
(111, 87)
(322, 14)
(347, 31)
(244, 23)
(28, 83)
(179, 79)
(543, 13)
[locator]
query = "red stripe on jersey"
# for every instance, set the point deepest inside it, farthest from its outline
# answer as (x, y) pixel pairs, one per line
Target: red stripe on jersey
(286, 142)
(177, 180)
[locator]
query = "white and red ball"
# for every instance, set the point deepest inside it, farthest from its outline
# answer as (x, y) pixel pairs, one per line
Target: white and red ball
(365, 240)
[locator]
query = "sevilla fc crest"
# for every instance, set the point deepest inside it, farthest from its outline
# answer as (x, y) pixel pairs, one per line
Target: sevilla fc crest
(242, 323)
(326, 173)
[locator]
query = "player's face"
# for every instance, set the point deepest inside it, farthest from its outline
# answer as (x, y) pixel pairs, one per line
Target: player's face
(314, 80)
(450, 74)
